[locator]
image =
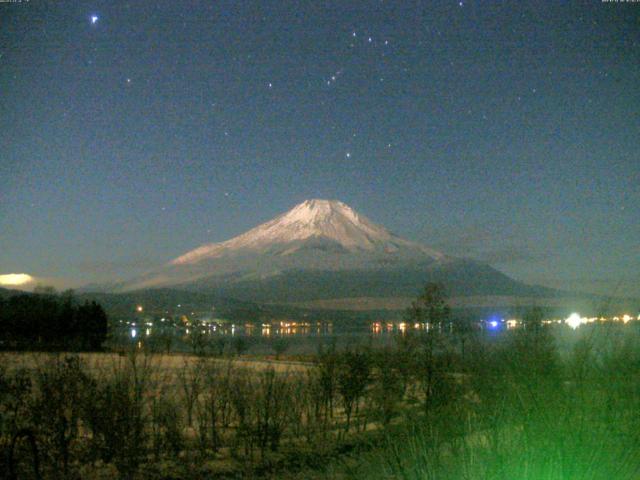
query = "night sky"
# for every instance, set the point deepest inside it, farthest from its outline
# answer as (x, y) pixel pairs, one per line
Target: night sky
(508, 132)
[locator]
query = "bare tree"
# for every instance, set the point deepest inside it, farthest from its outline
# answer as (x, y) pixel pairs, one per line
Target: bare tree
(190, 380)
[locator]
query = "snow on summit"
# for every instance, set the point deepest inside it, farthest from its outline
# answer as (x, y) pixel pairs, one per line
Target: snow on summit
(329, 220)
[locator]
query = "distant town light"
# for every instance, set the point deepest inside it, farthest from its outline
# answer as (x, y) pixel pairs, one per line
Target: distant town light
(133, 333)
(139, 308)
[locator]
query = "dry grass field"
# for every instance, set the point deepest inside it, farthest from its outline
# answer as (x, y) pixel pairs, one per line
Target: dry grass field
(170, 363)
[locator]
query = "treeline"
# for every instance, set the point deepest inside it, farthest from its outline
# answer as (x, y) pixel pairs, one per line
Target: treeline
(50, 321)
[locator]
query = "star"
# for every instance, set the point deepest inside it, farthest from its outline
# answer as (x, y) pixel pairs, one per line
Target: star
(270, 85)
(94, 19)
(348, 155)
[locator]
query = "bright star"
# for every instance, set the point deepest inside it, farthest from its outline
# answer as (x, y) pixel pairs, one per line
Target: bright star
(348, 155)
(94, 19)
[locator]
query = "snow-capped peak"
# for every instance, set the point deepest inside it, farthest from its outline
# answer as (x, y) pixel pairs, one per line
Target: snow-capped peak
(317, 211)
(323, 219)
(326, 218)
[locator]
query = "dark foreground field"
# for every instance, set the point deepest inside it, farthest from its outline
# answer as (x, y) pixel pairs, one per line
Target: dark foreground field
(427, 407)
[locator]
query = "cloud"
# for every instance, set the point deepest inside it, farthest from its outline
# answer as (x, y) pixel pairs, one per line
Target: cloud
(609, 286)
(16, 279)
(27, 282)
(512, 253)
(489, 247)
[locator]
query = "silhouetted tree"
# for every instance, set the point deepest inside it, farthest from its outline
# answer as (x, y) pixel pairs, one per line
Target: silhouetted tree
(279, 346)
(430, 307)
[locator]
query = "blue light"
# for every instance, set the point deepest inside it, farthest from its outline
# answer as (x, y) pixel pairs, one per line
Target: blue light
(494, 322)
(94, 19)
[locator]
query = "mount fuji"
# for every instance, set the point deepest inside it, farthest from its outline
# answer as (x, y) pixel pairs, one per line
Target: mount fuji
(324, 250)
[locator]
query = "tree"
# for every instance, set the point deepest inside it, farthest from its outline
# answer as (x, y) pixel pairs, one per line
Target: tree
(533, 350)
(91, 323)
(279, 346)
(389, 384)
(352, 377)
(430, 308)
(240, 345)
(532, 319)
(190, 378)
(464, 330)
(198, 340)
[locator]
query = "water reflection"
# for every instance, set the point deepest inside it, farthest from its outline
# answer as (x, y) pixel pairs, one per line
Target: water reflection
(379, 327)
